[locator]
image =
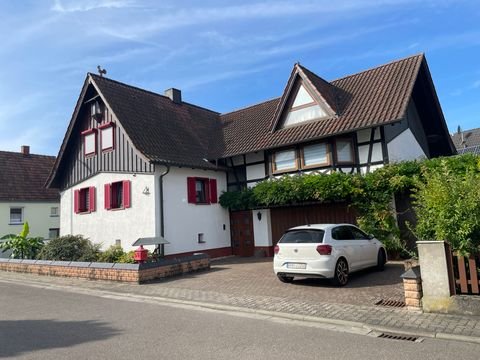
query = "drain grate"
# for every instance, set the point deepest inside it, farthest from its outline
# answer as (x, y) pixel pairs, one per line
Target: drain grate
(391, 303)
(399, 337)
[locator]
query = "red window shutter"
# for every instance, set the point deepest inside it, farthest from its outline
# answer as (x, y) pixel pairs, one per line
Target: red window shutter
(106, 196)
(76, 201)
(206, 184)
(213, 191)
(126, 194)
(91, 194)
(192, 196)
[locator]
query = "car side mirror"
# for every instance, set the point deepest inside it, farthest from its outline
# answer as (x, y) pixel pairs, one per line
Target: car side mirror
(370, 237)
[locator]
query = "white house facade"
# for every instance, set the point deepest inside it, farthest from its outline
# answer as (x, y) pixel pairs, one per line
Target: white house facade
(138, 164)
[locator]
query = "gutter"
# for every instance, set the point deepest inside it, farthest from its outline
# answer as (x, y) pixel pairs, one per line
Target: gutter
(162, 217)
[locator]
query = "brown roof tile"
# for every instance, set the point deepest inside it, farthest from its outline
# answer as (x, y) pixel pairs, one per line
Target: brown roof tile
(22, 177)
(466, 139)
(369, 98)
(164, 131)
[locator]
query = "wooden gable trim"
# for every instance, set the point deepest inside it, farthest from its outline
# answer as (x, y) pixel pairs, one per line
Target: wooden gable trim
(298, 75)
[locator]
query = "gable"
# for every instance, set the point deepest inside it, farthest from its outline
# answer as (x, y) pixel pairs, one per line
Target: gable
(304, 99)
(302, 108)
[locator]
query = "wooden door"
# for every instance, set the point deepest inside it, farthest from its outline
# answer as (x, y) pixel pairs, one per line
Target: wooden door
(241, 228)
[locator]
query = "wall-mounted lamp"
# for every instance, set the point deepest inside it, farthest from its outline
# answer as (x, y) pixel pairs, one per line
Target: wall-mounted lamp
(146, 191)
(259, 216)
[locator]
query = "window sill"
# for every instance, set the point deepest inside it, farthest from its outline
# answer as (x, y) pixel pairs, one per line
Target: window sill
(16, 223)
(280, 172)
(54, 215)
(116, 209)
(84, 212)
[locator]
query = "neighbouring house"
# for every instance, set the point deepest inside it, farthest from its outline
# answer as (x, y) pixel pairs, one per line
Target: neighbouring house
(23, 196)
(467, 141)
(134, 163)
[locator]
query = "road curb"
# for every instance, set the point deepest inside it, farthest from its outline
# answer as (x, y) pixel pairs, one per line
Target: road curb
(328, 323)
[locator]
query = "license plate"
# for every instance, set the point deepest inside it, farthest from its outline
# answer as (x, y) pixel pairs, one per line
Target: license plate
(296, 266)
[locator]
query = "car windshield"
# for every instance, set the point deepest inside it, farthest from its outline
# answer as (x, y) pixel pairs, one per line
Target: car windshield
(302, 236)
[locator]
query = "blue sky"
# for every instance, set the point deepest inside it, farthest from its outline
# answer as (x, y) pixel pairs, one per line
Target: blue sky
(223, 55)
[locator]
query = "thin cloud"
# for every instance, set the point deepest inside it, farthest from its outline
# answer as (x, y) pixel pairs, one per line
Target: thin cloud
(82, 6)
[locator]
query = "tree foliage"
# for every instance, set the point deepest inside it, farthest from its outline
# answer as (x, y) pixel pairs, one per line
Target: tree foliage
(372, 196)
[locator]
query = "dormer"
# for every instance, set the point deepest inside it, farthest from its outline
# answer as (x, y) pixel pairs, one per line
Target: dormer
(306, 98)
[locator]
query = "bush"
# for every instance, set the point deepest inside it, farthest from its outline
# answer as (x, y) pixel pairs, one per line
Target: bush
(127, 258)
(22, 246)
(112, 255)
(70, 248)
(447, 206)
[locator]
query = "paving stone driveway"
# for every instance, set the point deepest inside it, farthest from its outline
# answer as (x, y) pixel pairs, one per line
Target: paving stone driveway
(255, 277)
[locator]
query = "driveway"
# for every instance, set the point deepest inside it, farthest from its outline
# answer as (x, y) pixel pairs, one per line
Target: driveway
(255, 277)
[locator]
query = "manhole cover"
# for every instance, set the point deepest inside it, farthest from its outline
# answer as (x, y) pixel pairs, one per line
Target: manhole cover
(391, 303)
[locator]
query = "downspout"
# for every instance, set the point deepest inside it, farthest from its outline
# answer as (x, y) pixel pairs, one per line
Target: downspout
(162, 217)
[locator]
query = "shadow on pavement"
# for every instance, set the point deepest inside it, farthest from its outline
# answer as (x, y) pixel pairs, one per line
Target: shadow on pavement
(363, 278)
(26, 336)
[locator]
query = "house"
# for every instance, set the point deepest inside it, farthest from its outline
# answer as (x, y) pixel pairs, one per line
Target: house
(467, 141)
(23, 196)
(134, 163)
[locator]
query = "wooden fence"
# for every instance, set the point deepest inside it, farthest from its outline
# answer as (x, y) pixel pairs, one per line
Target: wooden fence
(466, 274)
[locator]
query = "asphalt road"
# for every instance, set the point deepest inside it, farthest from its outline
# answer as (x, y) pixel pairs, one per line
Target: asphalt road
(38, 323)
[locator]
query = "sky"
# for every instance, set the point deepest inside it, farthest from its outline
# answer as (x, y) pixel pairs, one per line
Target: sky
(222, 55)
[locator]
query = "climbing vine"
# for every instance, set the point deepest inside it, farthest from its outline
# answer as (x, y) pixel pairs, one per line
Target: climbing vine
(371, 194)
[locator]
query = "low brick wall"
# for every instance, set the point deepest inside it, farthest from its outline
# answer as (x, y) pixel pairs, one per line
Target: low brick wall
(412, 286)
(137, 273)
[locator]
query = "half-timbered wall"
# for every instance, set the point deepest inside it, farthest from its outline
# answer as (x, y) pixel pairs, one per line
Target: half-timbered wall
(122, 158)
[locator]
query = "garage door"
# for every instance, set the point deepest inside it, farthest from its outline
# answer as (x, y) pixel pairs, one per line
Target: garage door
(287, 217)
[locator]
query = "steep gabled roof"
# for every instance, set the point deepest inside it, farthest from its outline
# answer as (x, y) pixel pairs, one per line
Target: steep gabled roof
(466, 139)
(370, 98)
(22, 177)
(164, 131)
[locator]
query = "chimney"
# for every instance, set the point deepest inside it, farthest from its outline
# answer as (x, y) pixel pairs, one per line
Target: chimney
(174, 94)
(25, 150)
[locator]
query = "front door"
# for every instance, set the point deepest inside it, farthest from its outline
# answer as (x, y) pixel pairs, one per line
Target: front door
(241, 227)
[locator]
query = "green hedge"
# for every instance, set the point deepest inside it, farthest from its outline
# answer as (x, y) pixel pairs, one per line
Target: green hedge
(370, 194)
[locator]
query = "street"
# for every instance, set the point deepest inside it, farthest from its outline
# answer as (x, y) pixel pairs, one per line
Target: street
(38, 323)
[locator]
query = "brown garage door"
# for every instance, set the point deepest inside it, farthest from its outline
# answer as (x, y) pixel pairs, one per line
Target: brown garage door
(287, 217)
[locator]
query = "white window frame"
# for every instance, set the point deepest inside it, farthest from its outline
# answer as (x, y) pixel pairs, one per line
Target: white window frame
(21, 215)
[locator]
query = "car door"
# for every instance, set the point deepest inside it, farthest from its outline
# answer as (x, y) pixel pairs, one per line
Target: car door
(367, 247)
(347, 246)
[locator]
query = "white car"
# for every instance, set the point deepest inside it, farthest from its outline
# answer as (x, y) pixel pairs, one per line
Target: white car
(330, 251)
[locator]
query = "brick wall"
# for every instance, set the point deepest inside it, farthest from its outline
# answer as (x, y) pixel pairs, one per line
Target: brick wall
(137, 273)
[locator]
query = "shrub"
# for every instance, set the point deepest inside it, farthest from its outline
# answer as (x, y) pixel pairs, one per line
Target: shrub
(112, 255)
(447, 205)
(127, 258)
(70, 248)
(22, 246)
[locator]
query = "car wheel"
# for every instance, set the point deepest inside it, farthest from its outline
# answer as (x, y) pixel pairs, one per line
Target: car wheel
(381, 260)
(341, 273)
(285, 279)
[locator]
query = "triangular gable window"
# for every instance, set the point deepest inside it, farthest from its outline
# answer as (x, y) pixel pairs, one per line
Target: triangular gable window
(304, 108)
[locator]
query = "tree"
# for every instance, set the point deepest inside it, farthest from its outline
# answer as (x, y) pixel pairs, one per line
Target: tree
(22, 246)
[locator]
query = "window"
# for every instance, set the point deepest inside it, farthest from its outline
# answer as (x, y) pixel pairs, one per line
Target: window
(54, 211)
(117, 195)
(358, 234)
(53, 233)
(302, 237)
(84, 200)
(16, 215)
(304, 108)
(342, 233)
(315, 155)
(201, 190)
(344, 150)
(107, 136)
(90, 142)
(284, 160)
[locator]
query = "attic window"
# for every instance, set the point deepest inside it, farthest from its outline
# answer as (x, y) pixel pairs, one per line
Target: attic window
(107, 132)
(89, 142)
(304, 108)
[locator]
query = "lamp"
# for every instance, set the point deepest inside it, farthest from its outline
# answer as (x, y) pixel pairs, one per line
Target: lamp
(259, 216)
